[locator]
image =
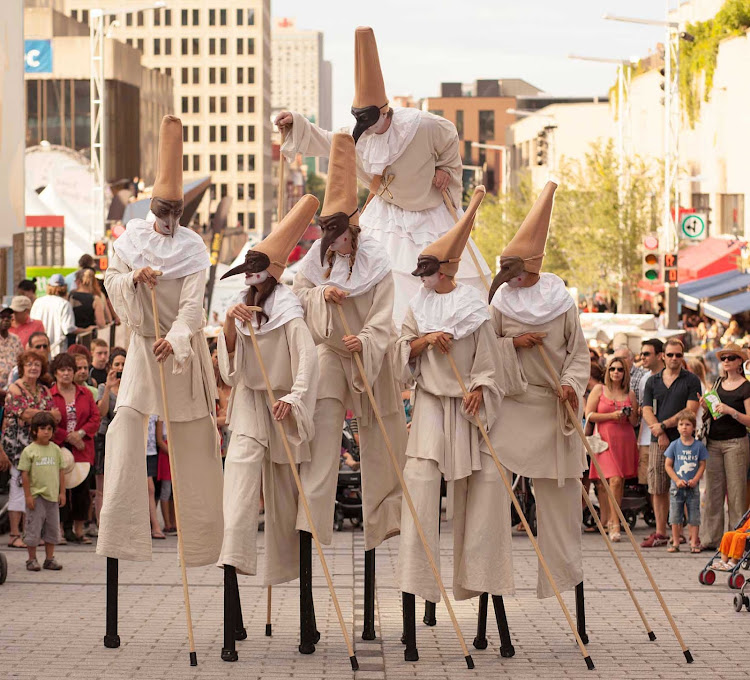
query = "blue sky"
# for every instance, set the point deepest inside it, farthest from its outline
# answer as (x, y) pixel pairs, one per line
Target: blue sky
(425, 42)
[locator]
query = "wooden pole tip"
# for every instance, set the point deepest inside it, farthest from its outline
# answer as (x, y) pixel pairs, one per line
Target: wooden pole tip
(354, 662)
(193, 659)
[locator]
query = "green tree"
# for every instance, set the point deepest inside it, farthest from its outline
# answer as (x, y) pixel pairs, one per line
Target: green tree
(316, 186)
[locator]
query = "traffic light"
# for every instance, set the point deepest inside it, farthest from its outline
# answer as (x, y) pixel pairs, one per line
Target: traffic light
(541, 148)
(670, 268)
(650, 261)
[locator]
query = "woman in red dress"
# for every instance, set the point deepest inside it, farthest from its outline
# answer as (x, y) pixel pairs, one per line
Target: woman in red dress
(614, 410)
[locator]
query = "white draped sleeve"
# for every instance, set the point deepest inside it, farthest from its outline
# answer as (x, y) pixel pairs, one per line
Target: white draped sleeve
(189, 320)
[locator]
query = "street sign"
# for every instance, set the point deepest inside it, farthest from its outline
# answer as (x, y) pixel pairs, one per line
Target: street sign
(670, 268)
(693, 226)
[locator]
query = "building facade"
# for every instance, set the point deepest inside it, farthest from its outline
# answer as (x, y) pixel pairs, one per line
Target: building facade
(218, 53)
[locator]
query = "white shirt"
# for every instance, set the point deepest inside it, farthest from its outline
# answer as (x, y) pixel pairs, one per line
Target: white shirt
(644, 437)
(56, 315)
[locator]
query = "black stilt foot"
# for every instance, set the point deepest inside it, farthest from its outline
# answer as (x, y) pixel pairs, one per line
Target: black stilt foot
(229, 651)
(306, 607)
(111, 638)
(507, 650)
(239, 627)
(193, 658)
(410, 627)
(589, 663)
(354, 662)
(480, 641)
(581, 614)
(651, 635)
(429, 614)
(469, 662)
(269, 631)
(688, 656)
(368, 625)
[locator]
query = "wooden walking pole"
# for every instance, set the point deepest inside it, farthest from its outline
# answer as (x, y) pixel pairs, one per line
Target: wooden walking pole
(173, 467)
(613, 502)
(407, 495)
(517, 505)
(625, 580)
(302, 497)
(452, 210)
(281, 204)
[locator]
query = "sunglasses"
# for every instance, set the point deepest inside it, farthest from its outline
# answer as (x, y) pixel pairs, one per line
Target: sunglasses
(647, 354)
(729, 357)
(40, 347)
(674, 355)
(616, 368)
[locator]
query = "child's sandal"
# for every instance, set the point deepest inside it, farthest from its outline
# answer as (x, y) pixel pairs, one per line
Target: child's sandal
(673, 548)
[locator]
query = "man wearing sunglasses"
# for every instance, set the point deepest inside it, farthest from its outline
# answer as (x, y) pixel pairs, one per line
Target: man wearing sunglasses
(666, 394)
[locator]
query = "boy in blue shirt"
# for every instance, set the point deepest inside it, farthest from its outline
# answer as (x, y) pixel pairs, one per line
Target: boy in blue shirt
(685, 464)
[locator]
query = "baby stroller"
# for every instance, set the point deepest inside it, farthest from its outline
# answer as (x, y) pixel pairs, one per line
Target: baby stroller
(736, 580)
(349, 486)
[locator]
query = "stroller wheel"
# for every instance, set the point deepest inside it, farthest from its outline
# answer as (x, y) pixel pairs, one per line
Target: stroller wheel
(630, 518)
(355, 521)
(746, 601)
(701, 576)
(649, 518)
(737, 581)
(738, 602)
(709, 577)
(3, 568)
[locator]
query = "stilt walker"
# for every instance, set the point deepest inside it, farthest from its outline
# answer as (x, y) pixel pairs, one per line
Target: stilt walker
(407, 158)
(256, 451)
(538, 440)
(349, 264)
(158, 253)
(443, 317)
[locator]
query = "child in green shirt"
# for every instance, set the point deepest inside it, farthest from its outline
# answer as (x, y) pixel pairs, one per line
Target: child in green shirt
(41, 467)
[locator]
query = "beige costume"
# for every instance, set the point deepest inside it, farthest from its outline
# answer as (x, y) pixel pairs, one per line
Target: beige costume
(124, 530)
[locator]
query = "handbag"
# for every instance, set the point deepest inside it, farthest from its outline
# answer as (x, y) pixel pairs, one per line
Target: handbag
(597, 444)
(704, 428)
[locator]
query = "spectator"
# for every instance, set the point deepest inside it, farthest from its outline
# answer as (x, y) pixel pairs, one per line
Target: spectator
(152, 469)
(164, 477)
(106, 402)
(41, 468)
(652, 361)
(86, 261)
(728, 450)
(10, 347)
(27, 287)
(222, 403)
(23, 325)
(612, 407)
(55, 313)
(732, 547)
(685, 463)
(88, 308)
(696, 366)
(83, 365)
(80, 422)
(39, 342)
(666, 394)
(732, 334)
(26, 397)
(99, 361)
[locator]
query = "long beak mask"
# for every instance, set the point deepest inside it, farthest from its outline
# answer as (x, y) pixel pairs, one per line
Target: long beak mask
(427, 265)
(366, 118)
(255, 262)
(332, 227)
(510, 267)
(168, 214)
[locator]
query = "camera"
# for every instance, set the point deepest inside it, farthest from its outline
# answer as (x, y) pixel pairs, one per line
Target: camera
(627, 410)
(118, 375)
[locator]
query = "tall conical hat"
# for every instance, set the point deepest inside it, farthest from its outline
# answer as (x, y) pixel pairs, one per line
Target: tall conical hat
(448, 248)
(280, 242)
(369, 88)
(531, 237)
(168, 184)
(340, 207)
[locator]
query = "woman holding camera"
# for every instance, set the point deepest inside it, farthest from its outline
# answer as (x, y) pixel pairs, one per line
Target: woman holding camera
(612, 407)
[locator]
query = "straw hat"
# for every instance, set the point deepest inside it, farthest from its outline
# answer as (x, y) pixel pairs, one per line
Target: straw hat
(68, 460)
(168, 184)
(732, 348)
(79, 472)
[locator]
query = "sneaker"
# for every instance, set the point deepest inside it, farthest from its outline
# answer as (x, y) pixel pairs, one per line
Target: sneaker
(52, 564)
(91, 530)
(654, 541)
(33, 565)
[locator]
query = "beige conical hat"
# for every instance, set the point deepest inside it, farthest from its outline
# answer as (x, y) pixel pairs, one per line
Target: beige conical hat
(281, 241)
(369, 88)
(448, 248)
(341, 188)
(531, 237)
(168, 184)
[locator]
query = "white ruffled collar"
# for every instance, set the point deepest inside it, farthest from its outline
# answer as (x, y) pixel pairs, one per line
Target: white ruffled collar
(536, 305)
(377, 152)
(281, 306)
(371, 266)
(175, 256)
(458, 313)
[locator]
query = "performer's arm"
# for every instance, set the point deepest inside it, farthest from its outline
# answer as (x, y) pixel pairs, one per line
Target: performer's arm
(510, 374)
(317, 313)
(576, 369)
(189, 320)
(375, 335)
(409, 347)
(304, 137)
(483, 380)
(118, 280)
(445, 146)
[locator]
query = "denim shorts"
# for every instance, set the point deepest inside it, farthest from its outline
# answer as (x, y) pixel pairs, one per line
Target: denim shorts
(678, 499)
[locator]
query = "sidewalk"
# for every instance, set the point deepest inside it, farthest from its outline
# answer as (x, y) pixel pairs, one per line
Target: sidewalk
(52, 623)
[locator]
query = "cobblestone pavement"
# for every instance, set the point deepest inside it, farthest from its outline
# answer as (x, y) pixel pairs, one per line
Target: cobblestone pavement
(52, 623)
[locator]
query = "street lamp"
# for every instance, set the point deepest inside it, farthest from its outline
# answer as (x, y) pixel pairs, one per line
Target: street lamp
(98, 99)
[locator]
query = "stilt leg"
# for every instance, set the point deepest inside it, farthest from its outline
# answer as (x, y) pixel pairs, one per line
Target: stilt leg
(581, 614)
(429, 614)
(480, 641)
(111, 638)
(506, 646)
(368, 626)
(228, 651)
(410, 627)
(239, 627)
(306, 613)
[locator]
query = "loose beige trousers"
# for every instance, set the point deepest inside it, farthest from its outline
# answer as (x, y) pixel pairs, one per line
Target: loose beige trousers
(125, 528)
(381, 492)
(726, 475)
(559, 516)
(247, 461)
(482, 554)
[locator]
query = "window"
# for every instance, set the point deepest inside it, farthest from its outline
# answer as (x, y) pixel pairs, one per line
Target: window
(157, 46)
(196, 133)
(185, 161)
(140, 18)
(240, 75)
(250, 192)
(157, 17)
(223, 133)
(240, 133)
(732, 214)
(212, 104)
(460, 124)
(84, 16)
(168, 71)
(240, 192)
(74, 14)
(223, 190)
(241, 216)
(184, 104)
(128, 19)
(196, 46)
(223, 75)
(196, 104)
(184, 20)
(212, 192)
(185, 133)
(240, 17)
(240, 104)
(196, 163)
(240, 163)
(212, 76)
(223, 46)
(184, 76)
(240, 45)
(167, 17)
(140, 44)
(251, 45)
(184, 49)
(196, 20)
(222, 17)
(251, 104)
(211, 133)
(436, 112)
(467, 153)
(250, 75)
(167, 45)
(222, 104)
(196, 76)
(251, 133)
(212, 165)
(251, 17)
(212, 17)
(212, 45)
(223, 164)
(251, 163)
(486, 125)
(251, 220)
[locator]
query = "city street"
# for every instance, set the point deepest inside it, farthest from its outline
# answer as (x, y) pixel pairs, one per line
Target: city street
(53, 622)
